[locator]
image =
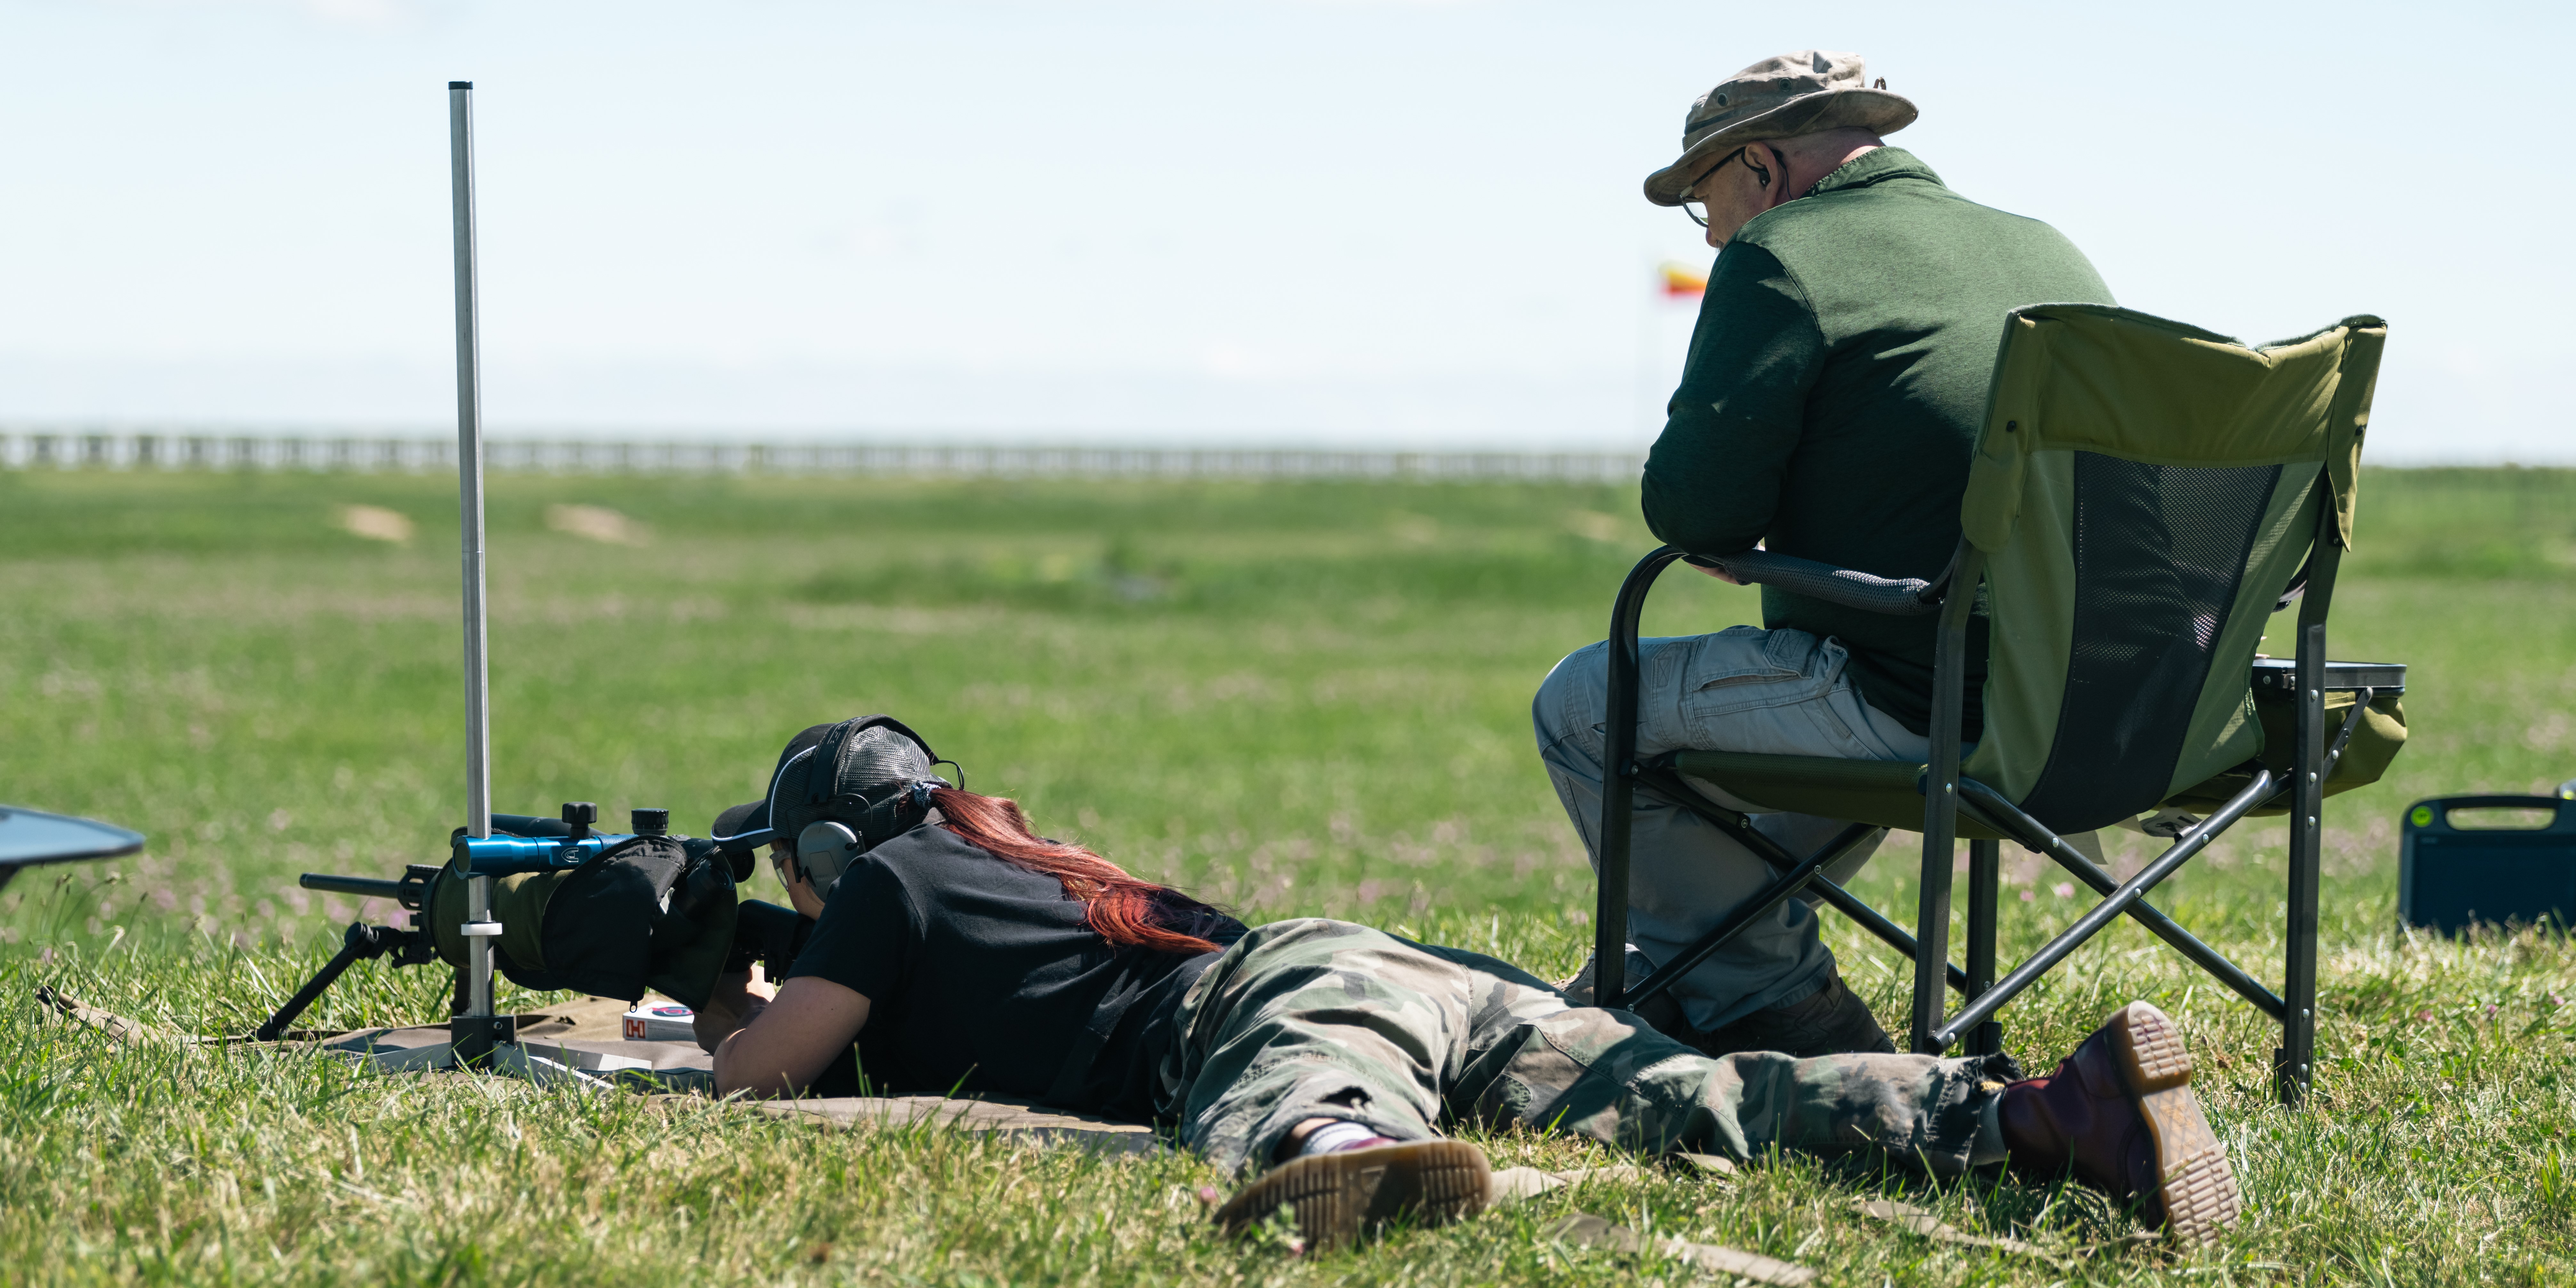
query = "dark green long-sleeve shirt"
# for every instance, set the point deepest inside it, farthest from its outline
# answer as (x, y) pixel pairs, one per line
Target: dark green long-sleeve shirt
(1834, 390)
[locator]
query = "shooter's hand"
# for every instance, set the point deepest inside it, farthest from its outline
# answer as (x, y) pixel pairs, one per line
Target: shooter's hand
(1712, 570)
(732, 1004)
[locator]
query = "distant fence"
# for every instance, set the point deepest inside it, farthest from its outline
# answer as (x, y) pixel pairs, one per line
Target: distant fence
(205, 451)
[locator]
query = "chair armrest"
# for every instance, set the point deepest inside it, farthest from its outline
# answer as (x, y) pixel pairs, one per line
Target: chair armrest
(1911, 597)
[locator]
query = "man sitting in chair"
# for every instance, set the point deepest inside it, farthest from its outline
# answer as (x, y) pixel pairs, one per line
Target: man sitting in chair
(1835, 386)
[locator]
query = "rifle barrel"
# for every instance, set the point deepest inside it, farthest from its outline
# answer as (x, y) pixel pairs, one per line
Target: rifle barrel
(351, 885)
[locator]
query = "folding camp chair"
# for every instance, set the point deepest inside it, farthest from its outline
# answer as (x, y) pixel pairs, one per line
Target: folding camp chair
(2144, 495)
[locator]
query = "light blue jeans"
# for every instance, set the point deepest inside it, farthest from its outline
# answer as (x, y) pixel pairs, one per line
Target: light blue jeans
(1742, 689)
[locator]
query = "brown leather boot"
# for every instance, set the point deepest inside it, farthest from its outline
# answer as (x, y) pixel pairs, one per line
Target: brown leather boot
(1660, 1012)
(2119, 1112)
(1337, 1197)
(1830, 1021)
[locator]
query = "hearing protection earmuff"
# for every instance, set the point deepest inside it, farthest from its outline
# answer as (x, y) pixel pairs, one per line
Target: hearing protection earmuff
(825, 849)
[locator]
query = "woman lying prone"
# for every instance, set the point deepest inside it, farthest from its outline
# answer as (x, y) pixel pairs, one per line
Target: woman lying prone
(956, 952)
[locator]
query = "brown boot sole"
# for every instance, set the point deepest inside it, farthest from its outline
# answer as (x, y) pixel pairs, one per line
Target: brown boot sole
(1335, 1197)
(2195, 1186)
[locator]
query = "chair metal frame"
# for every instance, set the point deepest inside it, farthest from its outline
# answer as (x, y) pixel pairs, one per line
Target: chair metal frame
(1947, 793)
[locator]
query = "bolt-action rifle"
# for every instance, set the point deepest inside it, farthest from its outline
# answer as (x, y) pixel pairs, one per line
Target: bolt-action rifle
(690, 908)
(532, 844)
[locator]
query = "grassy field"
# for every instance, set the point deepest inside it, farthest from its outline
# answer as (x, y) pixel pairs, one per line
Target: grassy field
(1295, 699)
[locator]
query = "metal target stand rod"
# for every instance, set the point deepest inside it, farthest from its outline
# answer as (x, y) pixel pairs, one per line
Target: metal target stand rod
(475, 1032)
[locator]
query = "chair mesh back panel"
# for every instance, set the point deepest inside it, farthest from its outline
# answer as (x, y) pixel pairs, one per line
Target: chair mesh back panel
(2159, 550)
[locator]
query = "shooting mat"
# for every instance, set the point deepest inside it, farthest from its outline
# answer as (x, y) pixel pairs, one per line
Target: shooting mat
(587, 1038)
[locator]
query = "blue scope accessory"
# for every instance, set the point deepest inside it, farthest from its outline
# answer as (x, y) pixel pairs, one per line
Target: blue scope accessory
(501, 856)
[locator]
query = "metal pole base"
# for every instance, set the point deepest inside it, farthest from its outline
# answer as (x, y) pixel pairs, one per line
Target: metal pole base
(474, 1038)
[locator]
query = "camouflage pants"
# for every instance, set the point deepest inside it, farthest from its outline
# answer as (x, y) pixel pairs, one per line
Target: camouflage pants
(1325, 1019)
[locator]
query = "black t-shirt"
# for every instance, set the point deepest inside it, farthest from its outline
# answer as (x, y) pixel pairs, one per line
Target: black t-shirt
(980, 976)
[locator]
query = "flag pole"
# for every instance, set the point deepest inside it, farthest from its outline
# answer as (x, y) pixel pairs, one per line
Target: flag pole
(473, 1033)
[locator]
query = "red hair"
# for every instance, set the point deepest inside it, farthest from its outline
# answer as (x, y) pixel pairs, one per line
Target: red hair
(1117, 907)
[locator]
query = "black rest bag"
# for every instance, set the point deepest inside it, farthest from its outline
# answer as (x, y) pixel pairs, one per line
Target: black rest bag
(650, 913)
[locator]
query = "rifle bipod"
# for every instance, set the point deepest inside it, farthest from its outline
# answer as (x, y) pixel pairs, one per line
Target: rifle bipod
(362, 943)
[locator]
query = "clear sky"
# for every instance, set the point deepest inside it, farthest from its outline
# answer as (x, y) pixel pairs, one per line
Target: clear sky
(1281, 223)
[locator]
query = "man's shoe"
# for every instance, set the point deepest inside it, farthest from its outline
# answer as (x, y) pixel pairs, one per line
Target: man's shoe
(1335, 1197)
(2120, 1113)
(1831, 1021)
(1660, 1012)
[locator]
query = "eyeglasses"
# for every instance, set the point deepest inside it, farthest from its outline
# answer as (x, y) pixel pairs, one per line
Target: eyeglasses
(1697, 209)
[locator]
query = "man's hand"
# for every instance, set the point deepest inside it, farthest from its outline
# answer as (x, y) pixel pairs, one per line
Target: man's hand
(735, 1001)
(1714, 570)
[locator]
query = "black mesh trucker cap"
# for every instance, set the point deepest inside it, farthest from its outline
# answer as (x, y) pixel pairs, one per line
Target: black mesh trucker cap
(866, 756)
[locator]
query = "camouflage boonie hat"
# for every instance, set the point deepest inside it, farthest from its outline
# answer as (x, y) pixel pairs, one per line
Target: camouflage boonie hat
(1800, 93)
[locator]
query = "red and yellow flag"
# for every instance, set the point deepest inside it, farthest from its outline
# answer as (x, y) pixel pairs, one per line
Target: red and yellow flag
(1681, 281)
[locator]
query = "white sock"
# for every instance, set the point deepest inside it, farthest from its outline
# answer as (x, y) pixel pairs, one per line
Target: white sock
(1339, 1135)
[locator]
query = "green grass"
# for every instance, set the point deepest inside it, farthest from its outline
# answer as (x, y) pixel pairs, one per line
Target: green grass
(1296, 699)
